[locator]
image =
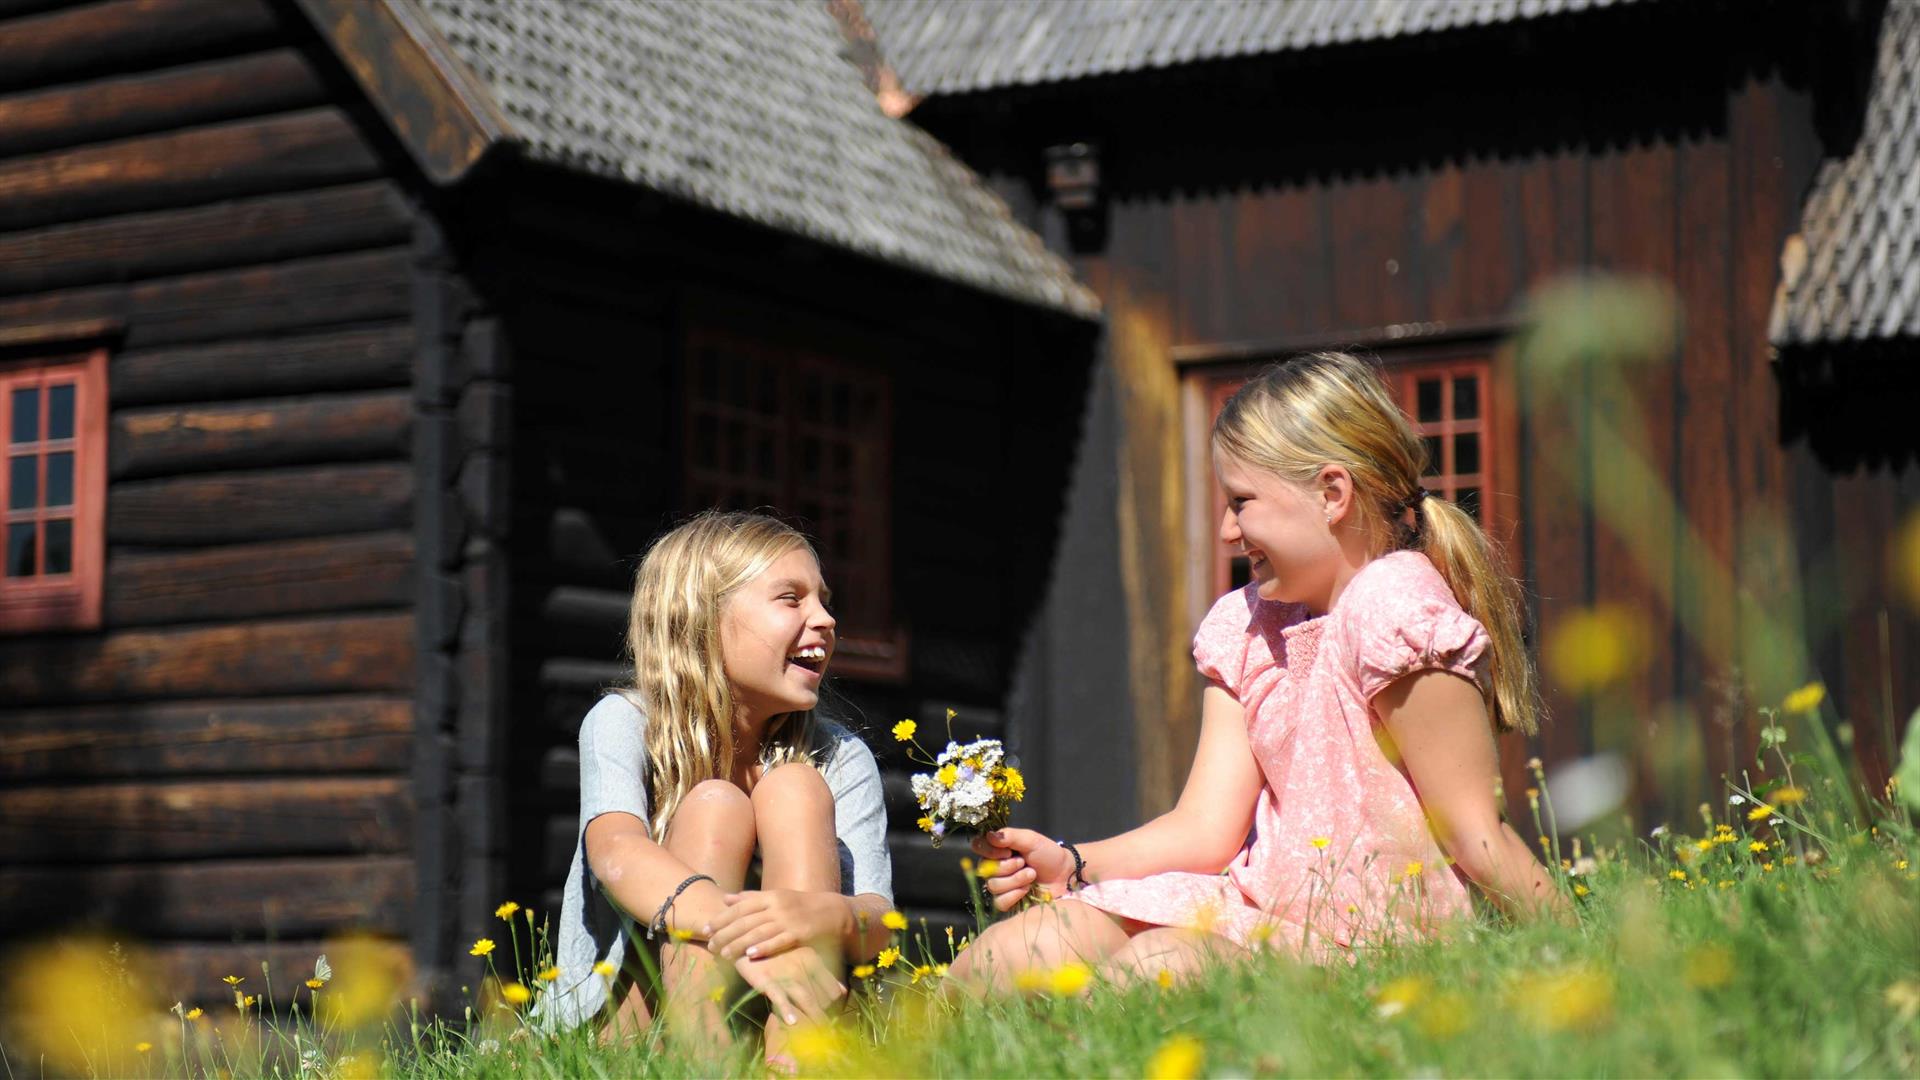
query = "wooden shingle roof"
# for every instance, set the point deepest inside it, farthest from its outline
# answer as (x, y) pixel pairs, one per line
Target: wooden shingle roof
(746, 108)
(959, 46)
(1853, 272)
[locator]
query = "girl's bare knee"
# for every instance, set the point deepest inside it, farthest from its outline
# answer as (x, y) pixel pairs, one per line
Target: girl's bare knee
(795, 787)
(713, 809)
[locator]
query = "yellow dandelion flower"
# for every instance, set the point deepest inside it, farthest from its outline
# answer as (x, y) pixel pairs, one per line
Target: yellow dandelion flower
(1596, 647)
(1412, 870)
(1165, 979)
(1703, 845)
(142, 1047)
(888, 957)
(196, 1013)
(1574, 998)
(921, 971)
(233, 980)
(1757, 847)
(1677, 875)
(1447, 1015)
(816, 1044)
(514, 994)
(506, 910)
(925, 824)
(939, 971)
(1900, 865)
(315, 984)
(1767, 866)
(1806, 699)
(681, 934)
(1179, 1058)
(248, 1003)
(1321, 842)
(904, 730)
(1013, 784)
(1760, 810)
(987, 868)
(1581, 890)
(718, 995)
(1030, 980)
(946, 775)
(863, 971)
(1069, 980)
(604, 969)
(1398, 996)
(1789, 796)
(481, 948)
(893, 920)
(951, 715)
(551, 974)
(966, 864)
(1726, 884)
(1708, 967)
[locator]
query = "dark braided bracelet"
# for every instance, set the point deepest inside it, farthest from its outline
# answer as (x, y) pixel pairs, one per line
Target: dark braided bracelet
(1078, 879)
(659, 923)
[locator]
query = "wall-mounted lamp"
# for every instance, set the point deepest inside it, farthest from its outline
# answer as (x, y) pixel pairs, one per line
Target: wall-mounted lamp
(1073, 179)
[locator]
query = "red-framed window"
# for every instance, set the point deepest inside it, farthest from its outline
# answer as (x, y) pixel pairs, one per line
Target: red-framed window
(53, 423)
(1454, 404)
(770, 425)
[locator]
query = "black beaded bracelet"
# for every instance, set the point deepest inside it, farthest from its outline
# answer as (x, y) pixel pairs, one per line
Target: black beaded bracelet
(659, 923)
(1078, 879)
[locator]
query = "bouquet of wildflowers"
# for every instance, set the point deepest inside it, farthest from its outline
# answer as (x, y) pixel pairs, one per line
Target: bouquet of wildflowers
(971, 786)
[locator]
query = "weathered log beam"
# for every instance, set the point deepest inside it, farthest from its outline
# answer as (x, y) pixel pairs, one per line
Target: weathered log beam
(192, 972)
(329, 290)
(294, 656)
(210, 819)
(296, 577)
(62, 45)
(113, 108)
(260, 504)
(311, 148)
(346, 733)
(253, 898)
(271, 228)
(339, 360)
(260, 433)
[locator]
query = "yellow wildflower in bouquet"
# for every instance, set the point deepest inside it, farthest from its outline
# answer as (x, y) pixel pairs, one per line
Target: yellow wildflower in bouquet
(971, 788)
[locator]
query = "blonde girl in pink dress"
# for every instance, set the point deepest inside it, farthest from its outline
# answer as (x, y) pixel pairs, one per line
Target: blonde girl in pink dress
(1342, 793)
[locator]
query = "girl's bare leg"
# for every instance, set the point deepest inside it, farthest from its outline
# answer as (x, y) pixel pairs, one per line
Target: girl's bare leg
(793, 813)
(1180, 953)
(712, 832)
(1042, 937)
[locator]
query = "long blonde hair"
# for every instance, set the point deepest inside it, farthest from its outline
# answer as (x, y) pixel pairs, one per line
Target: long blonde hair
(673, 639)
(1333, 408)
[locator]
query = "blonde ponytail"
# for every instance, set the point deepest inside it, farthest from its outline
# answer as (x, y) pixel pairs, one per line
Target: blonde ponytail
(1334, 408)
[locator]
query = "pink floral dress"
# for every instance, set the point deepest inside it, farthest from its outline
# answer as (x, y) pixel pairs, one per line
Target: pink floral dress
(1340, 855)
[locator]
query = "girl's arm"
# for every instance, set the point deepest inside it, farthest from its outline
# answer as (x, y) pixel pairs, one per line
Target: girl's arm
(1202, 833)
(1439, 725)
(638, 875)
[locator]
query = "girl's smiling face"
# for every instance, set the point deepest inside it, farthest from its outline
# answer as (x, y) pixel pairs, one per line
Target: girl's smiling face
(776, 637)
(1283, 529)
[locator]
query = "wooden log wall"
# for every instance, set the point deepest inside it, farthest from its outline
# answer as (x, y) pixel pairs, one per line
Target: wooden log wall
(226, 762)
(1245, 223)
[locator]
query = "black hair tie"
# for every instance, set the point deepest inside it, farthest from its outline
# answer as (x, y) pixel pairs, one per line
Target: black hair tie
(1412, 502)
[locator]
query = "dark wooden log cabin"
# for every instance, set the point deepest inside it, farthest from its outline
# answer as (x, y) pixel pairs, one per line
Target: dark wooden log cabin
(352, 352)
(1240, 183)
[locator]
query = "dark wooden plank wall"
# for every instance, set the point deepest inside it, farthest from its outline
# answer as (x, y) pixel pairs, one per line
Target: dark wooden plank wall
(593, 322)
(1238, 215)
(225, 763)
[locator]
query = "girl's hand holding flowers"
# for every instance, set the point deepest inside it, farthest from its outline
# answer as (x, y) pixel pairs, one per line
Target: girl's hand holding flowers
(1024, 860)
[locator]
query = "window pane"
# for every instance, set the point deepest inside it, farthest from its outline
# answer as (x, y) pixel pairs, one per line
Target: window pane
(1466, 454)
(1433, 454)
(23, 483)
(20, 549)
(1427, 393)
(1469, 500)
(1466, 397)
(59, 546)
(60, 411)
(60, 478)
(26, 415)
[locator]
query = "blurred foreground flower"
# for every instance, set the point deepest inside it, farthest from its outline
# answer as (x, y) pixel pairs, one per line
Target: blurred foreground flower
(369, 975)
(1572, 999)
(1179, 1058)
(80, 1002)
(1806, 699)
(1596, 647)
